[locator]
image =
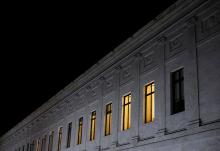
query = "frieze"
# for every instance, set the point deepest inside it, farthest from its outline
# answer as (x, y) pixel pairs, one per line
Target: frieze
(208, 22)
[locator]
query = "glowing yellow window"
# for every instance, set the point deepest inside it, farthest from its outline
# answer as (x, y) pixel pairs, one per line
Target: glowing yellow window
(126, 112)
(92, 126)
(108, 119)
(79, 139)
(149, 103)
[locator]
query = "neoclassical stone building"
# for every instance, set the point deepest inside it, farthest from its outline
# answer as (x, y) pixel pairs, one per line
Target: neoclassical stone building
(157, 91)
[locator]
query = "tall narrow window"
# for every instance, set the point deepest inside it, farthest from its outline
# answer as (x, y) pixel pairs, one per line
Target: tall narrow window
(149, 101)
(59, 139)
(126, 112)
(50, 144)
(92, 126)
(80, 129)
(177, 92)
(38, 145)
(108, 119)
(69, 135)
(32, 146)
(27, 149)
(43, 143)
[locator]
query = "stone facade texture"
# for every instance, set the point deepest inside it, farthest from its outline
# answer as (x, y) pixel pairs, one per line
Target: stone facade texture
(187, 34)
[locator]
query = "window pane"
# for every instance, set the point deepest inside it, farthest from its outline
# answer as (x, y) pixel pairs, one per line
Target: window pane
(153, 107)
(149, 105)
(177, 102)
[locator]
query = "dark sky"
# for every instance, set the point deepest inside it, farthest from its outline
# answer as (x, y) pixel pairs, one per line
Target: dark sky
(46, 46)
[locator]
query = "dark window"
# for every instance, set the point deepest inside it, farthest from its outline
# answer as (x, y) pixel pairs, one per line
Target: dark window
(126, 112)
(108, 119)
(32, 146)
(69, 135)
(92, 126)
(50, 144)
(80, 129)
(177, 92)
(27, 149)
(59, 139)
(43, 143)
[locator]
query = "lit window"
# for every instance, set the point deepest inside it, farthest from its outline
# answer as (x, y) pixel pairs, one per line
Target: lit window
(177, 92)
(79, 139)
(92, 126)
(108, 119)
(50, 144)
(126, 112)
(38, 145)
(149, 103)
(59, 139)
(69, 135)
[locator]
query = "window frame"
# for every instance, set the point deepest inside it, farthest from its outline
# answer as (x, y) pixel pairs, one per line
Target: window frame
(92, 127)
(69, 132)
(152, 102)
(124, 105)
(180, 82)
(59, 144)
(108, 121)
(80, 130)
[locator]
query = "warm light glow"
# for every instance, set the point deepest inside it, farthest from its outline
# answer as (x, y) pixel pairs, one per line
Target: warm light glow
(126, 112)
(108, 119)
(93, 122)
(79, 140)
(149, 103)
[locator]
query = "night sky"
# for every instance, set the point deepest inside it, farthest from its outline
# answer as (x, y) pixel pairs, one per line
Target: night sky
(46, 46)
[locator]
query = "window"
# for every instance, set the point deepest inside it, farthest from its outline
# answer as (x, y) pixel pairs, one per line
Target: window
(149, 103)
(50, 144)
(38, 145)
(177, 92)
(59, 139)
(126, 112)
(69, 135)
(79, 139)
(43, 143)
(108, 119)
(32, 146)
(27, 149)
(92, 126)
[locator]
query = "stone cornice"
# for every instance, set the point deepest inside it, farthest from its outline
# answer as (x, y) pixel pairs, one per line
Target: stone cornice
(147, 33)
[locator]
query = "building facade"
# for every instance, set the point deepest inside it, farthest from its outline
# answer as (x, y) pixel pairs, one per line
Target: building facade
(157, 91)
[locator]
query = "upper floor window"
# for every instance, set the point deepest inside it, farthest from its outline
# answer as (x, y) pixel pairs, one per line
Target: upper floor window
(108, 119)
(149, 103)
(27, 149)
(126, 112)
(92, 126)
(69, 135)
(80, 129)
(43, 143)
(177, 91)
(38, 145)
(59, 139)
(50, 144)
